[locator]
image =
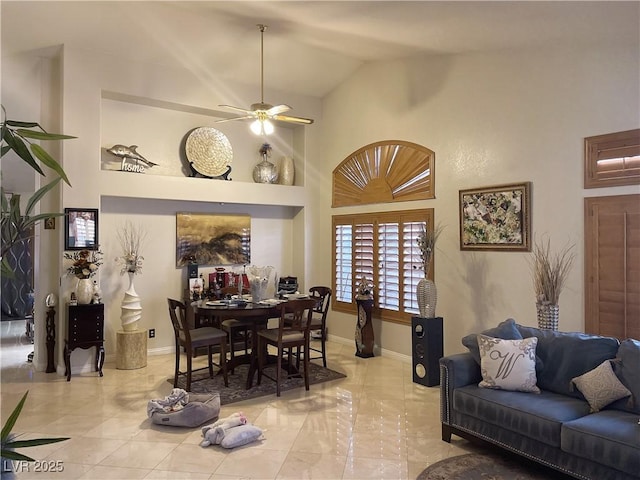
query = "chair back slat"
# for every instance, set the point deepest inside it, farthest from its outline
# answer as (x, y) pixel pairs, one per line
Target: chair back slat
(322, 297)
(296, 315)
(178, 314)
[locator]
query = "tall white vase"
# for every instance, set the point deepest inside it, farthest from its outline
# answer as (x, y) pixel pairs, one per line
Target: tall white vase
(131, 307)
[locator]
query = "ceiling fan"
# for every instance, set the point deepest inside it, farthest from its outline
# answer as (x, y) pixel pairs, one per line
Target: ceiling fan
(263, 113)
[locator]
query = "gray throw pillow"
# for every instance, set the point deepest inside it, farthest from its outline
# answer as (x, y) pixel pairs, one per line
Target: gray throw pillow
(627, 369)
(568, 355)
(507, 330)
(600, 386)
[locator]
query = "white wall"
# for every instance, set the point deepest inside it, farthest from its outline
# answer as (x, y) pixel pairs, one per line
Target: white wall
(491, 119)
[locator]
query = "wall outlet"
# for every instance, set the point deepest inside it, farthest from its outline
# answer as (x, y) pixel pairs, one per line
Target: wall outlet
(152, 333)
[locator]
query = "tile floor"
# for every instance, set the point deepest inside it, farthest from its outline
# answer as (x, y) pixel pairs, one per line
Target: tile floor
(376, 423)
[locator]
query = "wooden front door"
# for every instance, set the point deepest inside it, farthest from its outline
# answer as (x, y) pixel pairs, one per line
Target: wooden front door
(612, 266)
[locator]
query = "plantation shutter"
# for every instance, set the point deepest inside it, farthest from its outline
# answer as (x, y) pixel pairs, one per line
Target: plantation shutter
(412, 265)
(389, 266)
(383, 248)
(343, 263)
(363, 255)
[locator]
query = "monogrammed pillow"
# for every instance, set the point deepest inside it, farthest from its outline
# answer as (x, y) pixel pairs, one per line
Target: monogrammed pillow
(600, 386)
(508, 364)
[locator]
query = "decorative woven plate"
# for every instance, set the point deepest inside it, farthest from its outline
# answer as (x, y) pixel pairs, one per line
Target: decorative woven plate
(209, 151)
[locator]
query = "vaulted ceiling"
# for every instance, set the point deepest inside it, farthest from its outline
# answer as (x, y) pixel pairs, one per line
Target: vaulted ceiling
(310, 47)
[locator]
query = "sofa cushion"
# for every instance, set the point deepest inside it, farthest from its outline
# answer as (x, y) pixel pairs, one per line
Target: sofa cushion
(508, 364)
(566, 355)
(626, 369)
(600, 386)
(539, 417)
(507, 330)
(610, 436)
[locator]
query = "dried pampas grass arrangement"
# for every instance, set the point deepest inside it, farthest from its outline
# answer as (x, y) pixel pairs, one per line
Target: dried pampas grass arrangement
(550, 271)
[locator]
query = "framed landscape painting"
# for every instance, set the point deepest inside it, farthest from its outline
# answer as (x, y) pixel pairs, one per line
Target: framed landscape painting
(496, 218)
(207, 239)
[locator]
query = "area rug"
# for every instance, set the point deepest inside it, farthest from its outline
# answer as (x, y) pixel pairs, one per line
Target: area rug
(236, 391)
(483, 466)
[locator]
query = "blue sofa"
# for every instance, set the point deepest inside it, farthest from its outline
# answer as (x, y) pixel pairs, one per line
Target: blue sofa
(555, 427)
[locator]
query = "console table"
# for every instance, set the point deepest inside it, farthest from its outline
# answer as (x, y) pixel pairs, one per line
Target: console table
(85, 329)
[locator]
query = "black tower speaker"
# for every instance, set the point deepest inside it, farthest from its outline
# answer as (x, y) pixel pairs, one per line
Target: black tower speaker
(427, 349)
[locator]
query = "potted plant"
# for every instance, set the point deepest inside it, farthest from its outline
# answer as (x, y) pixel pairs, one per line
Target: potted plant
(10, 442)
(550, 272)
(18, 137)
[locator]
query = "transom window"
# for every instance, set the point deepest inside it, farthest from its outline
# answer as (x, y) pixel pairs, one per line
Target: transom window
(383, 248)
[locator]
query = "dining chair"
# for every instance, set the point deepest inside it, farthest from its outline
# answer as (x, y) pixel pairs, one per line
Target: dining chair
(190, 339)
(322, 297)
(286, 337)
(239, 330)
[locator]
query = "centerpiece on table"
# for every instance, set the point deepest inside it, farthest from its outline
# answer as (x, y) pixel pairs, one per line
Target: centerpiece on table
(131, 238)
(85, 265)
(426, 292)
(258, 281)
(550, 272)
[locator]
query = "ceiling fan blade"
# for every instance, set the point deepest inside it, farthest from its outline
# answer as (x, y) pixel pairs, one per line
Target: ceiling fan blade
(278, 109)
(246, 117)
(237, 109)
(286, 118)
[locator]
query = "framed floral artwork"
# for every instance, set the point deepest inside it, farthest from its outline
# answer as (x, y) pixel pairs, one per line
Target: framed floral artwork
(496, 218)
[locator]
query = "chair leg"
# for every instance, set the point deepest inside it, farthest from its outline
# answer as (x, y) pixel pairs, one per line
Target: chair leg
(189, 356)
(210, 359)
(278, 373)
(231, 349)
(177, 370)
(260, 360)
(306, 366)
(324, 350)
(223, 361)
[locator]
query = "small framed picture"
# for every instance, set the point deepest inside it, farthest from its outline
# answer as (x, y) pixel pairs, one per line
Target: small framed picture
(81, 229)
(496, 218)
(50, 223)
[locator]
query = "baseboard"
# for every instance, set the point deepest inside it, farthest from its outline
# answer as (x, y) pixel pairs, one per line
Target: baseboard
(376, 349)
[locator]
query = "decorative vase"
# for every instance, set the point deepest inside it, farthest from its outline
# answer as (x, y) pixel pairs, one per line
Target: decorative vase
(427, 296)
(287, 171)
(84, 291)
(265, 172)
(258, 282)
(548, 316)
(131, 307)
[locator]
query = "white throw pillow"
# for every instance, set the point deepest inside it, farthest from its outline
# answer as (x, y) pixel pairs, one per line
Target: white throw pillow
(508, 364)
(600, 386)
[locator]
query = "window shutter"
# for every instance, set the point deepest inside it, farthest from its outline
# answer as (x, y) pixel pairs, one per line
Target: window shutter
(612, 159)
(412, 265)
(389, 266)
(343, 263)
(363, 261)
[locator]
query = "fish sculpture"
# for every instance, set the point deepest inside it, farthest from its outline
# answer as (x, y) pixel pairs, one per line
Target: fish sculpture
(129, 152)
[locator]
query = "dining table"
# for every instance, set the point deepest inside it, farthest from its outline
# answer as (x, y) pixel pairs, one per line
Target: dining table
(213, 313)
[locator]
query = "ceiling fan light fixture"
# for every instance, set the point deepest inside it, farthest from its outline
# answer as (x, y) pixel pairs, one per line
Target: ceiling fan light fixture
(262, 127)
